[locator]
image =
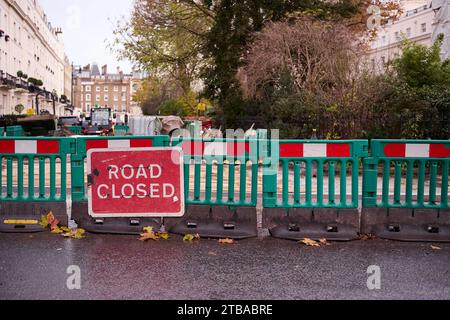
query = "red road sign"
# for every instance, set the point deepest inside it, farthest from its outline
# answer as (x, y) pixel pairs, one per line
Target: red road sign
(144, 182)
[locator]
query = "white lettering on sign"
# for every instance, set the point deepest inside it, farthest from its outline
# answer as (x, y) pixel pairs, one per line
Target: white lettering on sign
(128, 172)
(141, 191)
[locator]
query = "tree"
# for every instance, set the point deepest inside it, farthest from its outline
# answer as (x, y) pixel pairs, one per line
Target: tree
(19, 108)
(165, 38)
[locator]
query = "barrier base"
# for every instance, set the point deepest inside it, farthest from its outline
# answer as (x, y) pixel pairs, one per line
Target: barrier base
(317, 224)
(125, 226)
(216, 222)
(419, 225)
(24, 217)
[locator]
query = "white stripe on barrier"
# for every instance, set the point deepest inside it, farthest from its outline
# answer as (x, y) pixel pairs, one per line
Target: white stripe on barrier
(315, 150)
(23, 147)
(417, 151)
(119, 144)
(215, 149)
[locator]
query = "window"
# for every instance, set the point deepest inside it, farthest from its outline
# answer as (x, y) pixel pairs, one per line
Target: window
(423, 27)
(124, 89)
(88, 88)
(383, 39)
(124, 97)
(97, 98)
(88, 97)
(116, 89)
(97, 89)
(116, 108)
(397, 36)
(106, 98)
(116, 98)
(105, 88)
(408, 32)
(88, 107)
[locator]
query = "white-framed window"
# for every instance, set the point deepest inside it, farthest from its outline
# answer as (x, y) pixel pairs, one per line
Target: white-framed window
(106, 88)
(397, 36)
(106, 98)
(124, 89)
(88, 97)
(124, 108)
(116, 88)
(116, 98)
(408, 32)
(423, 27)
(88, 107)
(97, 98)
(97, 88)
(116, 108)
(88, 88)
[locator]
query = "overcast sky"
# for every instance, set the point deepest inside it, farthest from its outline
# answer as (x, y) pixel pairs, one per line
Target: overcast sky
(86, 28)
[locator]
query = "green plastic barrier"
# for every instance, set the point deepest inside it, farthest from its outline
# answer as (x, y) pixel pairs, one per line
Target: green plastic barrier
(15, 131)
(120, 130)
(295, 160)
(76, 130)
(410, 171)
(229, 160)
(26, 161)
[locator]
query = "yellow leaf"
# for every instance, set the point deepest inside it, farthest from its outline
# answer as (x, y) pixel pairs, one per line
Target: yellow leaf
(65, 229)
(436, 248)
(57, 230)
(44, 221)
(148, 236)
(310, 243)
(75, 234)
(188, 237)
(148, 229)
(163, 235)
(227, 241)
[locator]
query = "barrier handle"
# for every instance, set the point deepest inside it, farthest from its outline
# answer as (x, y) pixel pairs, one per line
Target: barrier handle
(370, 180)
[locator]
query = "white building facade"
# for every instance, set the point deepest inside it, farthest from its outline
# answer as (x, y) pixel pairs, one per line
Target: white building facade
(31, 45)
(416, 24)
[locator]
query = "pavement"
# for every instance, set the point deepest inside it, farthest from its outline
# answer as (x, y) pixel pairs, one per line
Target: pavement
(34, 266)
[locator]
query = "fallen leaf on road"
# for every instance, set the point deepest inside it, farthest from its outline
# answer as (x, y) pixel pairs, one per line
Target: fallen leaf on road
(44, 221)
(324, 242)
(310, 243)
(191, 237)
(212, 253)
(75, 234)
(163, 235)
(227, 241)
(366, 237)
(57, 230)
(148, 235)
(52, 221)
(436, 248)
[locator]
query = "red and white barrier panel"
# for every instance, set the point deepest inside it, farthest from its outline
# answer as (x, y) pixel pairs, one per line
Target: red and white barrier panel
(217, 149)
(415, 150)
(119, 144)
(315, 150)
(29, 147)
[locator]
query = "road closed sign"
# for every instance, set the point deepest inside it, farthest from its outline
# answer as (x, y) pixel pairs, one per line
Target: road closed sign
(135, 183)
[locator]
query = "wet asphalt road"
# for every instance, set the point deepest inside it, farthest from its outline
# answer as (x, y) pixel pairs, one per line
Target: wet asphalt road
(121, 267)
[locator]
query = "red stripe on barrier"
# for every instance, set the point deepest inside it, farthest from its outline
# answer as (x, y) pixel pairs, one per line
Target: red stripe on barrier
(238, 149)
(48, 147)
(395, 150)
(338, 150)
(193, 148)
(439, 151)
(7, 146)
(96, 144)
(291, 150)
(141, 143)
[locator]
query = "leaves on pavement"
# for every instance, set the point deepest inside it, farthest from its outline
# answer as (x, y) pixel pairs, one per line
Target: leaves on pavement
(436, 248)
(191, 237)
(227, 241)
(149, 234)
(75, 234)
(310, 243)
(366, 237)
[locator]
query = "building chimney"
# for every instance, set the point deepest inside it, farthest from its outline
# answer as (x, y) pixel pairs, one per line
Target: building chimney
(105, 70)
